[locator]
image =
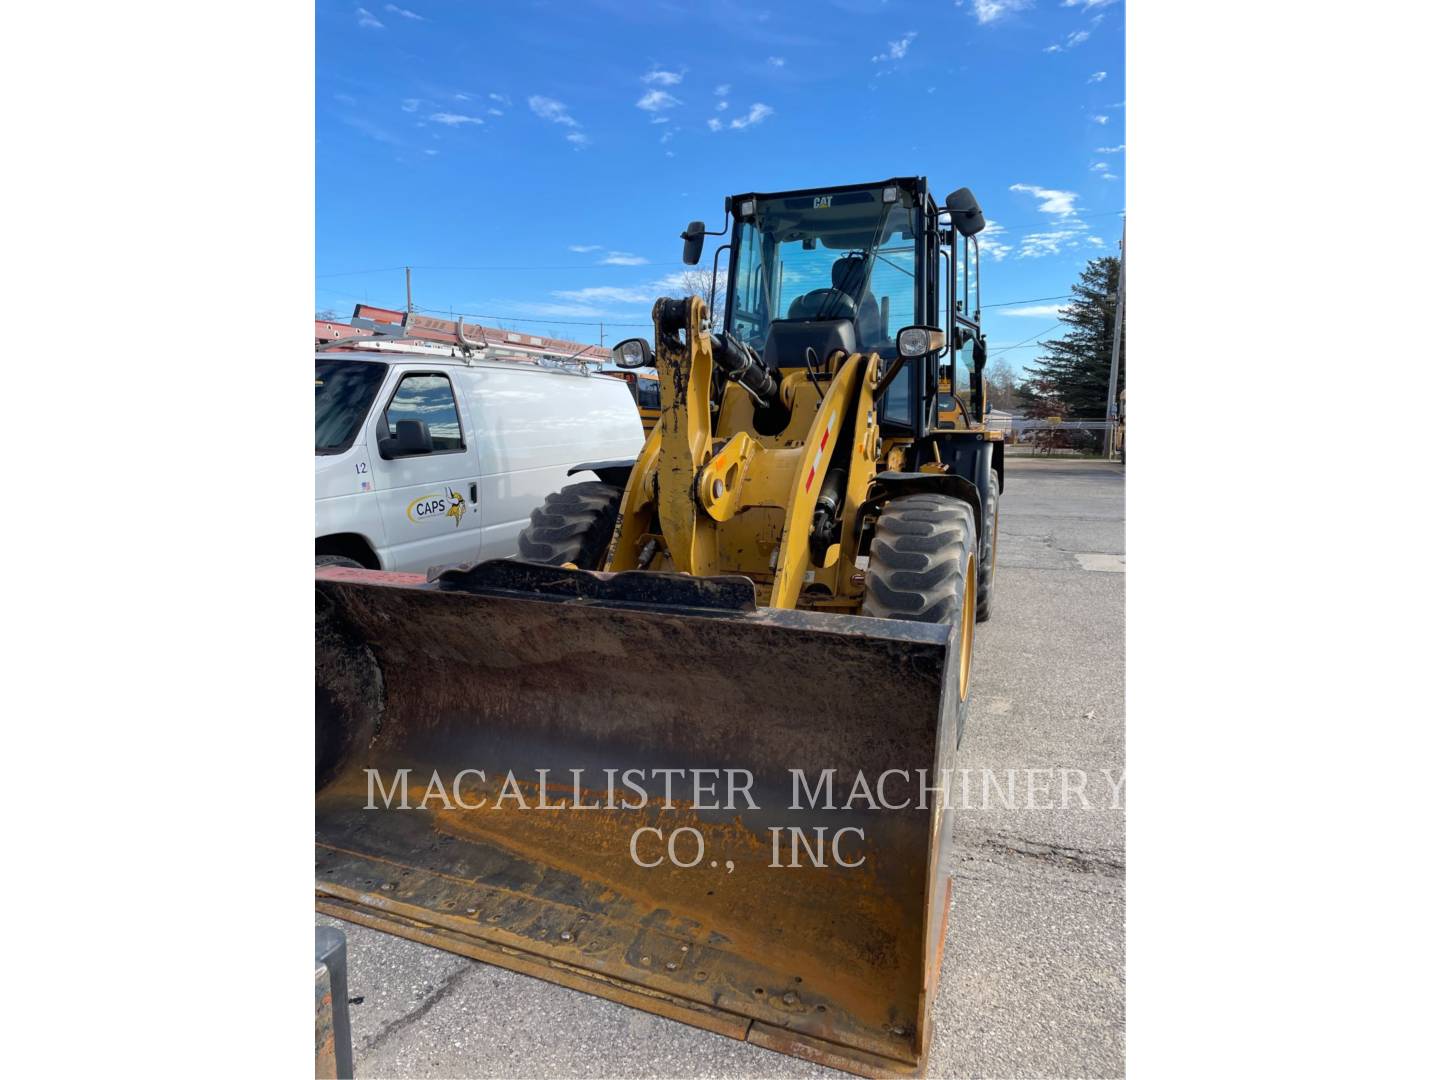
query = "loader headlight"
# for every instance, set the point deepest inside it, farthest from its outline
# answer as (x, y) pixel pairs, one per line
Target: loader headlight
(633, 353)
(919, 340)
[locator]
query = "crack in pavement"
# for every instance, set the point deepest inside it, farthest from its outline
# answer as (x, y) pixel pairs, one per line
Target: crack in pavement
(1001, 849)
(426, 1004)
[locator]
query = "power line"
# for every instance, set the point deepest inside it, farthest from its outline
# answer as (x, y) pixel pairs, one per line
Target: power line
(1032, 337)
(529, 318)
(359, 273)
(1032, 300)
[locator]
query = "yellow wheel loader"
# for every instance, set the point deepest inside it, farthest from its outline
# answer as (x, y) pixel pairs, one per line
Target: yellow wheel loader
(693, 751)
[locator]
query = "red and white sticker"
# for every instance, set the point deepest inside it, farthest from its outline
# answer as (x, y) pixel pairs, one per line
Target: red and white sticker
(824, 441)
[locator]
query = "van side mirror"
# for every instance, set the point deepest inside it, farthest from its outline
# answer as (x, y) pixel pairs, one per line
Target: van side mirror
(965, 213)
(694, 237)
(411, 437)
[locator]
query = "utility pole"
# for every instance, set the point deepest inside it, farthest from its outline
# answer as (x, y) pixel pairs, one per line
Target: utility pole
(409, 304)
(1111, 405)
(602, 335)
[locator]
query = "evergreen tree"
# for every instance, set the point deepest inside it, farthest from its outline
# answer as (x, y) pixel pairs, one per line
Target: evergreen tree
(1072, 375)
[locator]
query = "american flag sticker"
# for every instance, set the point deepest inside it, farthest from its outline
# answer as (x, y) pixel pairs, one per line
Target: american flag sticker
(824, 442)
(364, 485)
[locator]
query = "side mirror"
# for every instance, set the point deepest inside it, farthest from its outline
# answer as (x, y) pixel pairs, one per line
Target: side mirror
(919, 341)
(694, 237)
(965, 213)
(411, 437)
(633, 353)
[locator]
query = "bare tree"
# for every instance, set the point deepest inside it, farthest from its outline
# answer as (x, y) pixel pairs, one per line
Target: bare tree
(1001, 383)
(696, 282)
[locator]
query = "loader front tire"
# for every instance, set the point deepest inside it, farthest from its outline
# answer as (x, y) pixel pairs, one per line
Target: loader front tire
(572, 525)
(985, 587)
(923, 568)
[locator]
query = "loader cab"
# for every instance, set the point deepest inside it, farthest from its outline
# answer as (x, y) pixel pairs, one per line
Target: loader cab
(847, 267)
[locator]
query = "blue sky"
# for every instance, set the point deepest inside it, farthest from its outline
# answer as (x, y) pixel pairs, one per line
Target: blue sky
(536, 161)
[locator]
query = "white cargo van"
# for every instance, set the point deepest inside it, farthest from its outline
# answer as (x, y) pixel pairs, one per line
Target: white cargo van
(437, 459)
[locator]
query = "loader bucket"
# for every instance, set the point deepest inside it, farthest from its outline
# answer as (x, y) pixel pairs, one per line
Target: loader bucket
(533, 706)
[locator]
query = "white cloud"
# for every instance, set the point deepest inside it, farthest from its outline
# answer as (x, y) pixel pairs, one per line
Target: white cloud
(722, 90)
(1110, 149)
(451, 119)
(1034, 311)
(608, 294)
(410, 104)
(550, 109)
(623, 258)
(757, 113)
(462, 97)
(345, 99)
(583, 248)
(663, 78)
(657, 101)
(494, 112)
(403, 13)
(991, 244)
(1102, 119)
(1051, 201)
(1086, 5)
(775, 61)
(897, 49)
(987, 11)
(432, 153)
(1052, 242)
(368, 21)
(714, 124)
(501, 99)
(1071, 40)
(578, 138)
(1098, 77)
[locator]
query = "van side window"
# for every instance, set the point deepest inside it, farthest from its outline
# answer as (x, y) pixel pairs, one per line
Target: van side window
(428, 398)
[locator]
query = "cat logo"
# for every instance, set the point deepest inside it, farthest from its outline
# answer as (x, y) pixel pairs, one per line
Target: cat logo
(822, 202)
(450, 505)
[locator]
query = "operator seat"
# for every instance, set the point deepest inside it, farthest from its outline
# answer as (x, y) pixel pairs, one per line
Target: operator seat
(848, 276)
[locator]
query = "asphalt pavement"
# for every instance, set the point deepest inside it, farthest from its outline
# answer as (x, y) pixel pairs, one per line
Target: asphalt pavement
(1033, 982)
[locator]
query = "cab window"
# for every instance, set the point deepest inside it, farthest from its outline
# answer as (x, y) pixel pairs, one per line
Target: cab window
(429, 398)
(647, 393)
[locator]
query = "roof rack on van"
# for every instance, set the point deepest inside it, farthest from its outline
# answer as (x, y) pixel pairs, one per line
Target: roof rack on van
(373, 329)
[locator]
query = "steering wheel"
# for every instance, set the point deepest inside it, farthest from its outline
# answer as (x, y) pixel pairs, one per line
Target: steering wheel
(835, 303)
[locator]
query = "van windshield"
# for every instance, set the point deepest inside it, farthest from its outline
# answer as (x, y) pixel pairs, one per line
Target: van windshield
(344, 390)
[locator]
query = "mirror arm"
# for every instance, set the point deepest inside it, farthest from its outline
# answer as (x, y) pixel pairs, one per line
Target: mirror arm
(714, 272)
(889, 377)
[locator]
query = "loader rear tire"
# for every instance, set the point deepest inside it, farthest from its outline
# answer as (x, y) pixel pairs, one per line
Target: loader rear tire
(985, 587)
(572, 525)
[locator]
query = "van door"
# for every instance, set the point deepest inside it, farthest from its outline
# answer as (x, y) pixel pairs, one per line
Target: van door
(427, 501)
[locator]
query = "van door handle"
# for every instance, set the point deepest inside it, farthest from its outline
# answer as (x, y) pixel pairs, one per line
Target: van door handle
(474, 493)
